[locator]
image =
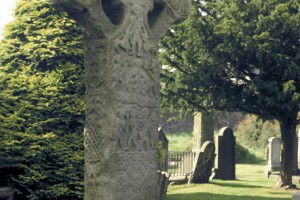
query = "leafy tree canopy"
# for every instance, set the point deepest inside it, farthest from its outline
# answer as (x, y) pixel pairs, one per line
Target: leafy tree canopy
(235, 55)
(238, 55)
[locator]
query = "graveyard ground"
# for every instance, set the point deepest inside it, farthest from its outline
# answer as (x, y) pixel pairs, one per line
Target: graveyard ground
(251, 184)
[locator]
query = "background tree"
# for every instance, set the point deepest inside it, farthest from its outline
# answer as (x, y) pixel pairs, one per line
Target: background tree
(253, 133)
(42, 100)
(238, 56)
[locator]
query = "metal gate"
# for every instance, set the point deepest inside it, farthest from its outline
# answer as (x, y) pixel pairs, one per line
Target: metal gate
(180, 163)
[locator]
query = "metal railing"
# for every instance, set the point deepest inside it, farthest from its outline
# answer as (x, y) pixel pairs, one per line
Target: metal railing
(180, 163)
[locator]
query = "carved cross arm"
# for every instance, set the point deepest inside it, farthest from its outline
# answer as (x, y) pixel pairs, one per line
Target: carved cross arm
(178, 9)
(166, 13)
(90, 14)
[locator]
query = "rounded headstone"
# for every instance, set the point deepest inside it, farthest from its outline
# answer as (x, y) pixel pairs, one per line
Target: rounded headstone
(225, 131)
(226, 155)
(272, 139)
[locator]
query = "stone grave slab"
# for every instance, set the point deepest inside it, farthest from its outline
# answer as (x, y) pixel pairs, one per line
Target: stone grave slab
(226, 155)
(203, 166)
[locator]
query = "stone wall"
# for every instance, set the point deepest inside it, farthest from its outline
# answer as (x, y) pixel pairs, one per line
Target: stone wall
(179, 125)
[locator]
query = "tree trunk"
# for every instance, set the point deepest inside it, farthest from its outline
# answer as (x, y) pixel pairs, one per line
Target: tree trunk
(288, 131)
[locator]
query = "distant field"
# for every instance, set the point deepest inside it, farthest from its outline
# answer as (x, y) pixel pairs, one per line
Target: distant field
(182, 141)
(251, 184)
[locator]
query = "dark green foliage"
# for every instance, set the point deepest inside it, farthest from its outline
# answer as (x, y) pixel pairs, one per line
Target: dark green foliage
(238, 56)
(254, 133)
(42, 167)
(42, 104)
(47, 87)
(234, 55)
(243, 155)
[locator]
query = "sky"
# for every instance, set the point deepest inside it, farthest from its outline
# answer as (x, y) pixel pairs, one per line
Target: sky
(6, 13)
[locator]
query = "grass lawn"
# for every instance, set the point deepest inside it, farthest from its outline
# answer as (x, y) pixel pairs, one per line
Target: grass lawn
(250, 184)
(180, 141)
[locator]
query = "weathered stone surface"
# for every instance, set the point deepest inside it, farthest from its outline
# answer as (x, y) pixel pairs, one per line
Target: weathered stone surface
(6, 193)
(203, 129)
(298, 148)
(273, 156)
(163, 138)
(296, 196)
(226, 155)
(164, 182)
(164, 145)
(122, 92)
(203, 164)
(295, 154)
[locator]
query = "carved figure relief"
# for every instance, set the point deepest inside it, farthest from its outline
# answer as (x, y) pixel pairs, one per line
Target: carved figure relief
(122, 92)
(133, 129)
(135, 41)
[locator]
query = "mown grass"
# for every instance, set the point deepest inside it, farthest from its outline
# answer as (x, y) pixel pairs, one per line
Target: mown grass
(251, 184)
(183, 141)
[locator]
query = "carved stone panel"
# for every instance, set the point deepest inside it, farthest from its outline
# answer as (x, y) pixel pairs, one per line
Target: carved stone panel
(122, 92)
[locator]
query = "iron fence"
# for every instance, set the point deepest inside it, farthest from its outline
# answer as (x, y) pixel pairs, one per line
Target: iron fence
(180, 163)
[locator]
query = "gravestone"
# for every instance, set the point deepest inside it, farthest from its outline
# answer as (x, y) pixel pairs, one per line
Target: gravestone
(273, 156)
(298, 149)
(295, 154)
(122, 92)
(203, 166)
(203, 129)
(6, 193)
(296, 196)
(164, 145)
(164, 182)
(225, 162)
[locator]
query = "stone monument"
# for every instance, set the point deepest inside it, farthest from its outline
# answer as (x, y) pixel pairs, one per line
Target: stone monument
(164, 182)
(273, 156)
(203, 164)
(203, 129)
(122, 92)
(163, 145)
(6, 193)
(225, 162)
(296, 196)
(295, 154)
(298, 147)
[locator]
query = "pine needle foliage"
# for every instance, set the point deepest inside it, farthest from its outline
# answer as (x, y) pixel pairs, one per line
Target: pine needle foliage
(42, 104)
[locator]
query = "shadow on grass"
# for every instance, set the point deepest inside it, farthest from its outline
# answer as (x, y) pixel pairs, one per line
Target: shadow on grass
(235, 185)
(244, 156)
(210, 196)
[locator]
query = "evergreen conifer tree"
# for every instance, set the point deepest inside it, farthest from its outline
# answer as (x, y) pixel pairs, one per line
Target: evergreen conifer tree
(42, 104)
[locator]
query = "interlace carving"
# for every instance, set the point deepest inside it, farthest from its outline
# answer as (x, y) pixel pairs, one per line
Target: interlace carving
(122, 92)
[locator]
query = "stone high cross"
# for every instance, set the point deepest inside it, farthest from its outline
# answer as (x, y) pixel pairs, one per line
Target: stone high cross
(122, 92)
